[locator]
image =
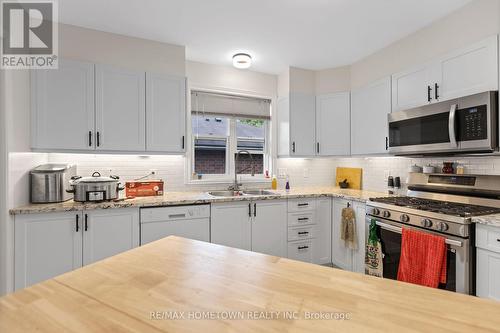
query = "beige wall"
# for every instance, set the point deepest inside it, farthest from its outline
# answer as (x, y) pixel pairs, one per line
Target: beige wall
(333, 80)
(124, 51)
(469, 24)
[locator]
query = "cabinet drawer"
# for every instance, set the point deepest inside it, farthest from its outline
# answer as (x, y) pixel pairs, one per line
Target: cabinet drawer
(298, 205)
(301, 250)
(298, 233)
(299, 219)
(488, 237)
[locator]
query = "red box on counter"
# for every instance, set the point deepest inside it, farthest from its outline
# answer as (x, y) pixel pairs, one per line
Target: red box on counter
(144, 188)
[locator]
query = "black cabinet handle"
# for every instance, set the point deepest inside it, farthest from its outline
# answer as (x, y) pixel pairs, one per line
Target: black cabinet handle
(90, 138)
(303, 219)
(303, 232)
(498, 239)
(293, 147)
(429, 89)
(386, 143)
(302, 247)
(77, 223)
(317, 147)
(254, 209)
(86, 222)
(182, 142)
(98, 139)
(436, 94)
(250, 209)
(303, 204)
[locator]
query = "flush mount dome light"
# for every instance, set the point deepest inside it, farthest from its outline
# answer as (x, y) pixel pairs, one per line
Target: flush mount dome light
(242, 60)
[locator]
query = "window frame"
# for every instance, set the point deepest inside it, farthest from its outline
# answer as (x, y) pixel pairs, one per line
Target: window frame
(228, 177)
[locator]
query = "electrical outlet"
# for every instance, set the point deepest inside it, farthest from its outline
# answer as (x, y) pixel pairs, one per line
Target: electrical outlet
(153, 171)
(282, 173)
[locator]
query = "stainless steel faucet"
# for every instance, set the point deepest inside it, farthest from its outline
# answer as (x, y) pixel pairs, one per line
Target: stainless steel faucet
(236, 185)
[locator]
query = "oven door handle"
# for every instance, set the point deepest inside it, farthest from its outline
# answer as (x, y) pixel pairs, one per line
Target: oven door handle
(400, 230)
(451, 125)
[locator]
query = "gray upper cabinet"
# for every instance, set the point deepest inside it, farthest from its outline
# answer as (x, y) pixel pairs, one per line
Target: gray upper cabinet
(62, 107)
(370, 106)
(120, 109)
(165, 113)
(333, 124)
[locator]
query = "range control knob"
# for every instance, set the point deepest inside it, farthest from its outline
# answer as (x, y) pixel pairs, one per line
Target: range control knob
(404, 218)
(426, 223)
(387, 214)
(442, 226)
(376, 211)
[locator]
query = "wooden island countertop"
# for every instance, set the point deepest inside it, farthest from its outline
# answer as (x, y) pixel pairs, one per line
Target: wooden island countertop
(180, 285)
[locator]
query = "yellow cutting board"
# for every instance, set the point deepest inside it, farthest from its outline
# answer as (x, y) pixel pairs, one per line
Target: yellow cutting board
(353, 176)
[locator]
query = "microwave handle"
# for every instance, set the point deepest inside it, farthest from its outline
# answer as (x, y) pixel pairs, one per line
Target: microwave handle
(451, 125)
(400, 230)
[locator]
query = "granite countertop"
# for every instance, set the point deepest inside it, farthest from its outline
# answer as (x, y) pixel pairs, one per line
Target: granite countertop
(188, 198)
(493, 220)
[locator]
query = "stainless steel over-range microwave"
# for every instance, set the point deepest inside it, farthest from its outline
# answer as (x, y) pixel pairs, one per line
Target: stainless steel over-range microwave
(463, 125)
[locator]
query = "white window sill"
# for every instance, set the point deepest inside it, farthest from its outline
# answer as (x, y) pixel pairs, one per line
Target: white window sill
(229, 181)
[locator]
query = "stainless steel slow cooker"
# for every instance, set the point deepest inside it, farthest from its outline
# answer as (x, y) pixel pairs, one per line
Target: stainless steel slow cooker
(95, 188)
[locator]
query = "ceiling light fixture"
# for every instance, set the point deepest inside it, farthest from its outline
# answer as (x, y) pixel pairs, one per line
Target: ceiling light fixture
(242, 60)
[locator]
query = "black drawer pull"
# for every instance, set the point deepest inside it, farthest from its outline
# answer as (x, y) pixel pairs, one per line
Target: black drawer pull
(302, 247)
(303, 219)
(498, 239)
(303, 232)
(303, 204)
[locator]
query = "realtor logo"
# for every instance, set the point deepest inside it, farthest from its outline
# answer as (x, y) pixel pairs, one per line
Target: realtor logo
(29, 34)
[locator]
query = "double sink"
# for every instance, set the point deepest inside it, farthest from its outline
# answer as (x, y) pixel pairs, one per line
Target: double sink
(241, 193)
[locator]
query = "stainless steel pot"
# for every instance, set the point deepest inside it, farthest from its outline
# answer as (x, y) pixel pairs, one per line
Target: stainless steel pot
(95, 188)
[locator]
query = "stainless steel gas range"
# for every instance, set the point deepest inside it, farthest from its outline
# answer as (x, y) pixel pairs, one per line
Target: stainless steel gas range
(439, 204)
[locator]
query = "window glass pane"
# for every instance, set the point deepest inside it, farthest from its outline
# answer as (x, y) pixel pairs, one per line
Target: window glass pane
(206, 125)
(250, 136)
(245, 164)
(210, 156)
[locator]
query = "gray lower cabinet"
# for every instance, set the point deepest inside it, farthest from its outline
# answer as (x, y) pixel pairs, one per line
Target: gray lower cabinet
(488, 261)
(50, 244)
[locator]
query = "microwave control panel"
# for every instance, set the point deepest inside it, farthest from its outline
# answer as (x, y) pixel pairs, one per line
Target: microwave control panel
(472, 123)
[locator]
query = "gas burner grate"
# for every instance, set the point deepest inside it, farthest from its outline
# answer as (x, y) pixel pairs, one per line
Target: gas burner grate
(436, 206)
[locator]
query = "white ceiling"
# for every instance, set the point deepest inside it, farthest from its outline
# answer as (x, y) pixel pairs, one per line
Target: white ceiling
(311, 34)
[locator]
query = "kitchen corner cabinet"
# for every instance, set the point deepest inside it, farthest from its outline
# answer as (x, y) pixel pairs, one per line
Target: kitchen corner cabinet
(343, 257)
(488, 261)
(467, 71)
(333, 124)
(370, 106)
(165, 113)
(50, 244)
(62, 107)
(323, 242)
(296, 125)
(258, 226)
(120, 109)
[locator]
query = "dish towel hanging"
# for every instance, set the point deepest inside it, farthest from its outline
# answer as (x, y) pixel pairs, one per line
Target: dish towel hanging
(373, 255)
(348, 228)
(423, 258)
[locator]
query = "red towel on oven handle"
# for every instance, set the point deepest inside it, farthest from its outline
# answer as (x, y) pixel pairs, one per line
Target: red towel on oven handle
(423, 258)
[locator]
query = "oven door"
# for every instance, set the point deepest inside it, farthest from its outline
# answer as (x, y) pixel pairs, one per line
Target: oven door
(459, 261)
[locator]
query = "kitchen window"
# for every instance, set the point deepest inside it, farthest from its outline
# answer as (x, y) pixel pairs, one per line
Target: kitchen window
(223, 126)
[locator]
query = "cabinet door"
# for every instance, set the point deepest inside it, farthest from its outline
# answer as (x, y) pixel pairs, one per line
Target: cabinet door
(370, 106)
(165, 113)
(410, 88)
(488, 274)
(341, 255)
(323, 232)
(107, 232)
(269, 227)
(46, 245)
(283, 107)
(120, 109)
(358, 255)
(62, 107)
(231, 224)
(333, 124)
(302, 124)
(468, 71)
